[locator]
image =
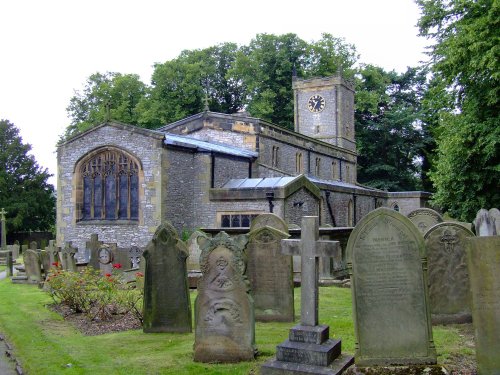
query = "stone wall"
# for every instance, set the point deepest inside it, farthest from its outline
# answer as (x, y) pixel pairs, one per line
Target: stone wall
(301, 203)
(228, 167)
(146, 147)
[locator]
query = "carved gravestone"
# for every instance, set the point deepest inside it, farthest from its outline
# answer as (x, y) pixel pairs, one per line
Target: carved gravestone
(424, 219)
(105, 259)
(270, 272)
(483, 259)
(309, 350)
(484, 223)
(495, 215)
(449, 294)
(32, 266)
(193, 263)
(387, 262)
(68, 257)
(135, 255)
(224, 315)
(93, 247)
(167, 306)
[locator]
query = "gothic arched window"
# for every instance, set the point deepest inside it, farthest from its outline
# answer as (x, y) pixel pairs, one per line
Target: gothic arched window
(109, 183)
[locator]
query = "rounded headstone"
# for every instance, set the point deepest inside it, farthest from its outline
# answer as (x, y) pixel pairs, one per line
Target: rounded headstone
(448, 275)
(269, 220)
(424, 218)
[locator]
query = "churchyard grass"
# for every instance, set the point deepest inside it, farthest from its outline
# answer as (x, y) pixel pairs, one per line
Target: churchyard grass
(45, 344)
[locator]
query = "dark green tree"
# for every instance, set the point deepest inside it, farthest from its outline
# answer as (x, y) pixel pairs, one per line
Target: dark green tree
(465, 60)
(110, 94)
(24, 191)
(388, 128)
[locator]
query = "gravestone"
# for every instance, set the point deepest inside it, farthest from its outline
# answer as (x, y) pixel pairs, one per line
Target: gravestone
(270, 272)
(93, 246)
(32, 266)
(167, 306)
(495, 215)
(224, 314)
(449, 294)
(68, 257)
(24, 248)
(424, 218)
(34, 246)
(45, 260)
(53, 251)
(387, 262)
(105, 259)
(121, 257)
(135, 255)
(483, 260)
(484, 223)
(15, 251)
(309, 349)
(193, 263)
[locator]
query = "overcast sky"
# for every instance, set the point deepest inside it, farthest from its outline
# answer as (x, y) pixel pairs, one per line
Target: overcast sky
(50, 47)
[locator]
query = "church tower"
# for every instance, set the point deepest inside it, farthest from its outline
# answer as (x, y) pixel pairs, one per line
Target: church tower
(324, 109)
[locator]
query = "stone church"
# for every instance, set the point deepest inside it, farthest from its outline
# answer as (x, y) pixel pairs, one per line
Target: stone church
(214, 170)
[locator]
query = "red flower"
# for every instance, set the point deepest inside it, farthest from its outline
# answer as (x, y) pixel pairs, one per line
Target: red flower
(117, 266)
(108, 275)
(55, 264)
(139, 274)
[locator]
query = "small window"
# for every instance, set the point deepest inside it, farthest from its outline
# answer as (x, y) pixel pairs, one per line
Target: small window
(395, 207)
(299, 167)
(237, 220)
(275, 156)
(318, 167)
(335, 170)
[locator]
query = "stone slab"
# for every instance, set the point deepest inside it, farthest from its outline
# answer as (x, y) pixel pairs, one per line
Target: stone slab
(275, 367)
(307, 334)
(309, 354)
(483, 258)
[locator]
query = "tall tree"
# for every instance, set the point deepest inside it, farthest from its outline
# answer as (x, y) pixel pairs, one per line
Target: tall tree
(110, 94)
(466, 64)
(388, 131)
(24, 191)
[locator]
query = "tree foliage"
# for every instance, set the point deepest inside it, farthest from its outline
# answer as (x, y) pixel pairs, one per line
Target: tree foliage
(24, 191)
(465, 60)
(389, 134)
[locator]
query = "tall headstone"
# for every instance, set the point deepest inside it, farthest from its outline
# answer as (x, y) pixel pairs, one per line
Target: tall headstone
(449, 290)
(309, 349)
(193, 263)
(45, 260)
(135, 255)
(53, 251)
(495, 215)
(224, 314)
(484, 224)
(269, 271)
(167, 306)
(424, 218)
(483, 259)
(93, 247)
(68, 257)
(16, 250)
(32, 266)
(387, 262)
(3, 243)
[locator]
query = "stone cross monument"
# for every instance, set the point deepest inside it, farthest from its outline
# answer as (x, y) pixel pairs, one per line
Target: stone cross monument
(4, 231)
(309, 349)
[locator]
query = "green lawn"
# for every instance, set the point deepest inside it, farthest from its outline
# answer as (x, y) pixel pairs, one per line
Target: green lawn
(45, 344)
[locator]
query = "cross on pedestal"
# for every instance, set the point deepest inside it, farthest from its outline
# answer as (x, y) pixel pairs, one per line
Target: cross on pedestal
(3, 240)
(309, 247)
(68, 255)
(93, 247)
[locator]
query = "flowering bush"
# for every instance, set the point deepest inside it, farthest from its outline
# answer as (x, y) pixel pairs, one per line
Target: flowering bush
(99, 297)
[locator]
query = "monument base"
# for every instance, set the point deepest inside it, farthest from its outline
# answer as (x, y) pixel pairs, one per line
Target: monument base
(397, 370)
(338, 366)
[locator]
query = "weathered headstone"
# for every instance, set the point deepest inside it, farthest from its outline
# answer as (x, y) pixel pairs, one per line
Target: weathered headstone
(68, 257)
(167, 306)
(53, 251)
(93, 246)
(34, 246)
(15, 251)
(495, 215)
(424, 218)
(270, 272)
(24, 248)
(309, 349)
(32, 266)
(224, 319)
(483, 259)
(135, 255)
(387, 262)
(193, 263)
(45, 260)
(105, 259)
(485, 224)
(449, 293)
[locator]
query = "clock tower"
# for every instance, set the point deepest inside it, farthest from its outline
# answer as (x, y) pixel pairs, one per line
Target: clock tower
(324, 109)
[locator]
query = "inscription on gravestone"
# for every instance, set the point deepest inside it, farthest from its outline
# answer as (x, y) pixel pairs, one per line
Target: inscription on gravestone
(167, 307)
(387, 262)
(449, 293)
(32, 266)
(483, 258)
(269, 271)
(424, 219)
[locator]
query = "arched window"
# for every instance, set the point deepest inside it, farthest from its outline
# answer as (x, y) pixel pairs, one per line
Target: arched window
(109, 183)
(395, 207)
(317, 168)
(299, 168)
(350, 214)
(335, 171)
(275, 156)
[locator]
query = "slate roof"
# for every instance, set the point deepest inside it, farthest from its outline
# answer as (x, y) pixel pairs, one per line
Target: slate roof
(255, 183)
(199, 145)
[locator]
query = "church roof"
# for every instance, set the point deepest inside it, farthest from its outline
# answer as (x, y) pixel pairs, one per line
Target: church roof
(199, 145)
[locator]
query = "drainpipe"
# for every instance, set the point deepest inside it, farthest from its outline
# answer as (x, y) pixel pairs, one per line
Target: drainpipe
(354, 209)
(212, 170)
(270, 197)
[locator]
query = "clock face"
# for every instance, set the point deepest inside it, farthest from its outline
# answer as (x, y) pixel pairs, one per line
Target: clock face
(316, 103)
